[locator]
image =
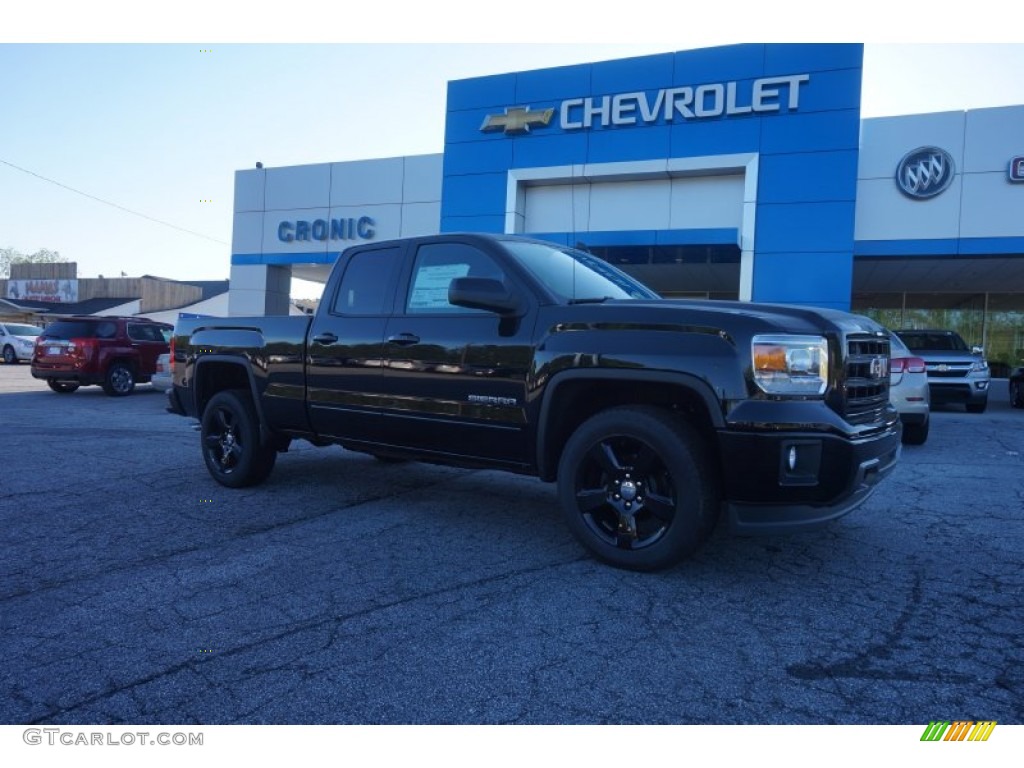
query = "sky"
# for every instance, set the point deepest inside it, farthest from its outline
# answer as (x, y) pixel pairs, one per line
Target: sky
(119, 141)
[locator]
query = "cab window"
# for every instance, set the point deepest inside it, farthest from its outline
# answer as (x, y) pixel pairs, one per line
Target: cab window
(368, 284)
(437, 264)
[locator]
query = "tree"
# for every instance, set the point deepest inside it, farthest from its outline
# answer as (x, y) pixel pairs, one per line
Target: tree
(10, 256)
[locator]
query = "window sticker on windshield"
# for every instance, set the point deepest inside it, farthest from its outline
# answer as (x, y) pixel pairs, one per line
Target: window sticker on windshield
(430, 291)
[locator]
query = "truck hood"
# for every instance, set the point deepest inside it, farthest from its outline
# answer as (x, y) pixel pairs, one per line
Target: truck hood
(788, 318)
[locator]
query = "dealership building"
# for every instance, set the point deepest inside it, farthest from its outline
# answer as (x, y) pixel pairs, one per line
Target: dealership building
(740, 172)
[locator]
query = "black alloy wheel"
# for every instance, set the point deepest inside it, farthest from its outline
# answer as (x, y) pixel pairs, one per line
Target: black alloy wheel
(637, 488)
(9, 356)
(230, 438)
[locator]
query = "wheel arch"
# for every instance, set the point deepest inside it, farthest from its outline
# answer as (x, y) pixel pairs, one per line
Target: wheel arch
(574, 396)
(218, 373)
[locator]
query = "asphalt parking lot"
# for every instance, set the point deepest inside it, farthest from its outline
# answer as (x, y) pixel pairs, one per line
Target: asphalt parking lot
(134, 589)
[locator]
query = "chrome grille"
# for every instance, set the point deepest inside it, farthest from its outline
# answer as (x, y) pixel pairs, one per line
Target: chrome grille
(867, 393)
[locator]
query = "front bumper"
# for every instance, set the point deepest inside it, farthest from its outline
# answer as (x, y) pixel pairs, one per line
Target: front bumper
(963, 391)
(802, 471)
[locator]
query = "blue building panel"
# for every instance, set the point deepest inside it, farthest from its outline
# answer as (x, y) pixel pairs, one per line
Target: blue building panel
(830, 91)
(815, 132)
(547, 85)
(804, 227)
(477, 92)
(542, 149)
(638, 74)
(807, 173)
(492, 224)
(724, 236)
(808, 176)
(983, 246)
(903, 248)
(613, 145)
(786, 58)
(284, 258)
(477, 157)
(714, 65)
(715, 137)
(475, 195)
(815, 279)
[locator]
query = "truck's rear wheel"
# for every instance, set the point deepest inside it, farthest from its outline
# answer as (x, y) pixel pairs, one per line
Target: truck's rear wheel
(231, 444)
(637, 488)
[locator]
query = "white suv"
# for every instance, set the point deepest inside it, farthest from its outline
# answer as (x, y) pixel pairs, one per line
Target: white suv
(17, 341)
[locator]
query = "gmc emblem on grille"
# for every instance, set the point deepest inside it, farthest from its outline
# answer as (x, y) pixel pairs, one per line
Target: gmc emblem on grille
(879, 367)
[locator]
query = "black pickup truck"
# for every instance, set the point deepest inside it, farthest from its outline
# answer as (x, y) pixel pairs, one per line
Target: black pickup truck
(654, 416)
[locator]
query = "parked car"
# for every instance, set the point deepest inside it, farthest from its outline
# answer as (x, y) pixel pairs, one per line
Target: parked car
(908, 391)
(17, 341)
(162, 377)
(114, 352)
(956, 373)
(1017, 388)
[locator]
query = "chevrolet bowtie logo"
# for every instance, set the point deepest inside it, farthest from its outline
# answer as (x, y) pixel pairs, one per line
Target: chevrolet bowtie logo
(518, 119)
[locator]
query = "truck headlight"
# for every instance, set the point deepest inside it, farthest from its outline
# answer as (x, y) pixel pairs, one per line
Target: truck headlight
(979, 365)
(790, 365)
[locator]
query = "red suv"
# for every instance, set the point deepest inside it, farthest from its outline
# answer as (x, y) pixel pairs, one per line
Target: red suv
(115, 352)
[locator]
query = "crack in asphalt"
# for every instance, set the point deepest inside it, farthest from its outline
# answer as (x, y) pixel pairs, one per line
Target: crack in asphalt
(859, 665)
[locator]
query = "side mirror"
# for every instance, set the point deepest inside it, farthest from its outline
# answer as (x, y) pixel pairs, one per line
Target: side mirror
(483, 293)
(976, 350)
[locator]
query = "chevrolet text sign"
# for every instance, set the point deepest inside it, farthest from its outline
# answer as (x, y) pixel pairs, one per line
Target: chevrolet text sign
(767, 95)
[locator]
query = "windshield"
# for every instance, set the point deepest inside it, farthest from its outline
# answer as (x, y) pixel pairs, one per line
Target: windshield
(576, 276)
(23, 330)
(936, 342)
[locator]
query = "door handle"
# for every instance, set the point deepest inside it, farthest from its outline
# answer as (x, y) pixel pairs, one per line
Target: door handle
(404, 339)
(325, 338)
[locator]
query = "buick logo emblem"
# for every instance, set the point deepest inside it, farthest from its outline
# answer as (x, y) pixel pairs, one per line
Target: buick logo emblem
(924, 173)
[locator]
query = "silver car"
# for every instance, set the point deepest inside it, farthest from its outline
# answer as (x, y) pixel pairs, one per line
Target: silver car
(908, 391)
(162, 378)
(17, 341)
(956, 373)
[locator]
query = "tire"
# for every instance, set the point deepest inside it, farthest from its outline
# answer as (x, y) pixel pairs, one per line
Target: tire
(62, 387)
(977, 407)
(120, 380)
(230, 440)
(916, 434)
(663, 463)
(1016, 394)
(9, 355)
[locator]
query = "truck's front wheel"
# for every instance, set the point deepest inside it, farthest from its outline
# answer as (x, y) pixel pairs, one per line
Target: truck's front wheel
(231, 444)
(637, 488)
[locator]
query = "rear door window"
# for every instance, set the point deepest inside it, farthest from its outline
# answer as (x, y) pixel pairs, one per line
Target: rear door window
(70, 329)
(368, 285)
(144, 332)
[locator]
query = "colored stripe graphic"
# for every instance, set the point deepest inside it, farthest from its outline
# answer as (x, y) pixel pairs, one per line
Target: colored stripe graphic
(958, 730)
(982, 730)
(934, 730)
